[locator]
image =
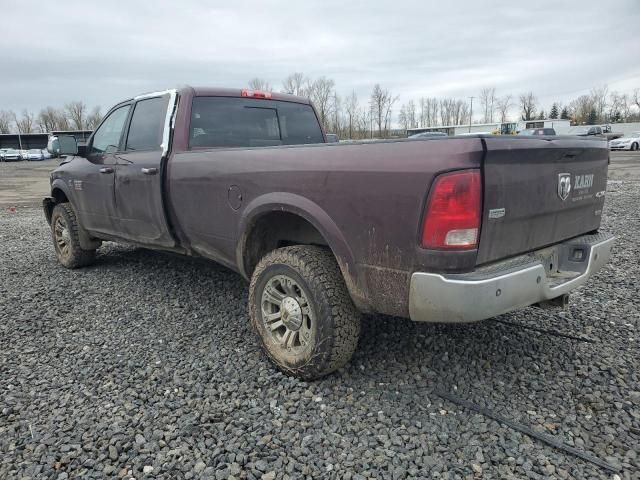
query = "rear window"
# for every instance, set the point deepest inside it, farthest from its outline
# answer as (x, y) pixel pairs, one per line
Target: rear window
(248, 122)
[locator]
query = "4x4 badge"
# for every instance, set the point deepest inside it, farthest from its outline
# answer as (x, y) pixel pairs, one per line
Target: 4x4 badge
(564, 185)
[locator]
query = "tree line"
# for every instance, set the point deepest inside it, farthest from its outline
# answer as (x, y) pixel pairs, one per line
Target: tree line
(350, 117)
(73, 116)
(599, 106)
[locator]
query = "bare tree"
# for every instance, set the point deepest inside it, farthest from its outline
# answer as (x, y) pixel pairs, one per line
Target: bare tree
(321, 92)
(260, 84)
(528, 103)
(488, 100)
(381, 104)
(616, 107)
(26, 122)
(351, 108)
(6, 118)
(294, 84)
(463, 112)
(365, 122)
(599, 98)
(581, 108)
(636, 97)
(411, 113)
(625, 106)
(407, 115)
(336, 110)
(403, 118)
(94, 118)
(76, 112)
(432, 108)
(49, 119)
(503, 104)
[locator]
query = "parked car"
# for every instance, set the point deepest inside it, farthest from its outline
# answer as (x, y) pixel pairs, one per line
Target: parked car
(632, 142)
(2, 152)
(34, 154)
(432, 231)
(12, 155)
(537, 131)
(428, 135)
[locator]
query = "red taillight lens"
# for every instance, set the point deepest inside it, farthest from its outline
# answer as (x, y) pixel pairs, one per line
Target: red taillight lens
(255, 94)
(452, 216)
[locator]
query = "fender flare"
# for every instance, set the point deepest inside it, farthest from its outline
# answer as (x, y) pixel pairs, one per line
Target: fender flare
(86, 241)
(316, 216)
(49, 203)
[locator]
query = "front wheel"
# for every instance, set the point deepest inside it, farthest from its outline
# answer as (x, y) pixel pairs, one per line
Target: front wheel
(634, 147)
(301, 309)
(64, 230)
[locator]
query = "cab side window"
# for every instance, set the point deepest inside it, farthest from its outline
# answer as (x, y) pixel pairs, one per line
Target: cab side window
(107, 137)
(147, 124)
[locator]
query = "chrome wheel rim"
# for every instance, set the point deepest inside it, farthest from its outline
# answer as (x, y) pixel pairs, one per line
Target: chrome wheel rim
(286, 314)
(61, 236)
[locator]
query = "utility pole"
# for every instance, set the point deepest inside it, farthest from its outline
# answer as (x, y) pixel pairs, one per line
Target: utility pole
(471, 113)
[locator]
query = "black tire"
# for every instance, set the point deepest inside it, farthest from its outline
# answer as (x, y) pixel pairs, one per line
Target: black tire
(64, 232)
(327, 333)
(634, 147)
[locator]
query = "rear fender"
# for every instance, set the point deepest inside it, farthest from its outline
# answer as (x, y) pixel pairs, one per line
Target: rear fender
(316, 216)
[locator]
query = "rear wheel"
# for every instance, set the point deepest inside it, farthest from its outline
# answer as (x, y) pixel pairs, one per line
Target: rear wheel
(302, 311)
(634, 147)
(64, 230)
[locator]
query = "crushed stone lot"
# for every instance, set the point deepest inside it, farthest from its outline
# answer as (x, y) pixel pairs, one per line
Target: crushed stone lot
(144, 366)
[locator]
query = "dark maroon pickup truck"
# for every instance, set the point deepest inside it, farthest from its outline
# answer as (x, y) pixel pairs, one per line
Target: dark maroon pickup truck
(436, 230)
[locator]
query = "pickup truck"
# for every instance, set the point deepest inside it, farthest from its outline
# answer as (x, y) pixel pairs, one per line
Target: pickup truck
(442, 229)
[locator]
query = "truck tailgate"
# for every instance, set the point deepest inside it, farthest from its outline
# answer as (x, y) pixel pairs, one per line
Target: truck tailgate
(540, 191)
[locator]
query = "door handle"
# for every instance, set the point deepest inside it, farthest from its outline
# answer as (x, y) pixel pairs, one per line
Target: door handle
(106, 170)
(149, 171)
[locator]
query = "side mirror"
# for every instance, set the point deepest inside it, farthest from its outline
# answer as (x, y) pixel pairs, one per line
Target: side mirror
(65, 145)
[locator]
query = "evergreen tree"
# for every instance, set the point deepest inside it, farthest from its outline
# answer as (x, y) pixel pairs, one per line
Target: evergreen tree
(554, 111)
(565, 114)
(591, 119)
(541, 115)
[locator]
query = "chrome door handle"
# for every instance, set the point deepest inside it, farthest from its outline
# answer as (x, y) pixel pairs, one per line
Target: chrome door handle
(106, 170)
(149, 171)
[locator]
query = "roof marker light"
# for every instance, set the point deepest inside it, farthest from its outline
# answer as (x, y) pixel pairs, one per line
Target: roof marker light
(255, 93)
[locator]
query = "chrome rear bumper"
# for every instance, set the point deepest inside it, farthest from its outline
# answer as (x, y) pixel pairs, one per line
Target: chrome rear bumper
(505, 286)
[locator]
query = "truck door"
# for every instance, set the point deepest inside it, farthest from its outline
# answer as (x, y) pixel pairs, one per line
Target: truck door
(139, 177)
(94, 179)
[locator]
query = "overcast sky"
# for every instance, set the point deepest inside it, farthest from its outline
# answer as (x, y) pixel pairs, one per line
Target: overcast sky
(105, 51)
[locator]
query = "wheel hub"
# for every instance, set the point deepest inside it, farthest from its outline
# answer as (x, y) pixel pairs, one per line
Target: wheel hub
(291, 314)
(286, 314)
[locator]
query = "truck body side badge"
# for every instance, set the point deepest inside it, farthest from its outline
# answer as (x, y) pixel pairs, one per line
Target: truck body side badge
(497, 212)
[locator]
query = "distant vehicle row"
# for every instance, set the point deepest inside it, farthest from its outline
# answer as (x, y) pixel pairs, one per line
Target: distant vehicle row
(13, 155)
(632, 142)
(616, 141)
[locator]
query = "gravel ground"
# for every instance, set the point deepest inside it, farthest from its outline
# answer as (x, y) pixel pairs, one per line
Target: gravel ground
(144, 366)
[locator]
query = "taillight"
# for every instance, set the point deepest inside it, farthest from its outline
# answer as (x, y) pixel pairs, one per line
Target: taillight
(255, 93)
(452, 217)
